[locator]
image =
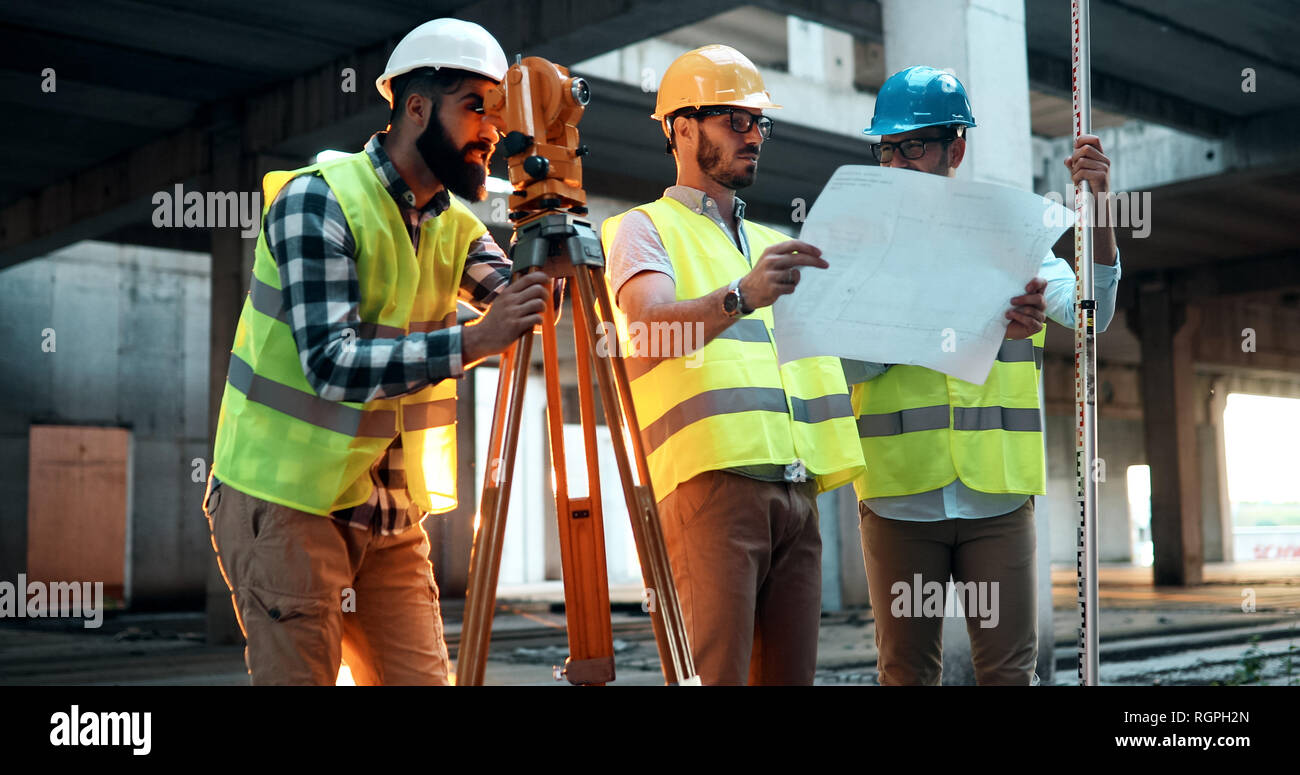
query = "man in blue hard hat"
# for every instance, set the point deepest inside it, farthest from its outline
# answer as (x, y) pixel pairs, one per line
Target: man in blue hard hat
(952, 466)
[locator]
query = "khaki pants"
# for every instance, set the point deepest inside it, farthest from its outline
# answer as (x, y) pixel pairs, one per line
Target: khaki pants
(746, 559)
(309, 591)
(909, 642)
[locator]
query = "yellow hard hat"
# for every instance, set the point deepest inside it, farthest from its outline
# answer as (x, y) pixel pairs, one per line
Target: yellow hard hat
(711, 75)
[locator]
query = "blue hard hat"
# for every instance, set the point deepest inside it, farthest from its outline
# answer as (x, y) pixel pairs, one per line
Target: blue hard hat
(919, 97)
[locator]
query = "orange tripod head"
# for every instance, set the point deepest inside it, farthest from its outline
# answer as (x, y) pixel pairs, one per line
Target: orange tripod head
(540, 105)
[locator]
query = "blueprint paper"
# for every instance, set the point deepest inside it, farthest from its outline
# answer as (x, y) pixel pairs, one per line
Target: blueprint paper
(922, 269)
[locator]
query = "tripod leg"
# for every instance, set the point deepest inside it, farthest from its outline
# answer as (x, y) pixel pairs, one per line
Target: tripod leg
(665, 609)
(581, 526)
(654, 539)
(485, 558)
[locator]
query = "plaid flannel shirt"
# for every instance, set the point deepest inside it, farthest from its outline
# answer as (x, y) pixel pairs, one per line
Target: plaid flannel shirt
(314, 249)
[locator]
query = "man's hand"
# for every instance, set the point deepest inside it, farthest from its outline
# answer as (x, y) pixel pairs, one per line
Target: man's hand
(518, 308)
(1088, 163)
(1028, 314)
(777, 272)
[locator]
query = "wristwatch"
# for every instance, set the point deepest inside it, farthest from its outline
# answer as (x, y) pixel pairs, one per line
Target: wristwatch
(733, 304)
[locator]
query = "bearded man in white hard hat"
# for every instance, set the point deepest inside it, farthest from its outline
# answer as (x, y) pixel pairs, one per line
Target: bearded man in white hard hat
(337, 430)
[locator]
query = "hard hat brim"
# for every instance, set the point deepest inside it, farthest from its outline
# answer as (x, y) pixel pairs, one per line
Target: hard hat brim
(879, 129)
(759, 101)
(383, 82)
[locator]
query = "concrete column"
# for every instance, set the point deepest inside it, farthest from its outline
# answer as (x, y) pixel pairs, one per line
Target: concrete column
(1215, 407)
(232, 258)
(820, 54)
(983, 43)
(1169, 425)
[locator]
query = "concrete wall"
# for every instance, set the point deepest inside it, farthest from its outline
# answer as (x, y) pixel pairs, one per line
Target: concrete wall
(130, 350)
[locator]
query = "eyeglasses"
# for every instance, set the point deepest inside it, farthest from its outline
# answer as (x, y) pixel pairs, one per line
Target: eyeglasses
(911, 149)
(741, 120)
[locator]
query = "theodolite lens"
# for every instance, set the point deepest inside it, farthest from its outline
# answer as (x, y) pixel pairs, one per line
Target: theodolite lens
(581, 91)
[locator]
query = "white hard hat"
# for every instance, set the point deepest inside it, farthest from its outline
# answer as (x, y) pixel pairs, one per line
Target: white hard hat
(441, 43)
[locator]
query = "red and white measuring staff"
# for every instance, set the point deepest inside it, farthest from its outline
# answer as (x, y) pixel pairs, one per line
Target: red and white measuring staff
(1085, 361)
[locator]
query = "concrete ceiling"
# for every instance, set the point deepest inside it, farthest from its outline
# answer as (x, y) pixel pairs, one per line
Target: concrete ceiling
(128, 71)
(132, 73)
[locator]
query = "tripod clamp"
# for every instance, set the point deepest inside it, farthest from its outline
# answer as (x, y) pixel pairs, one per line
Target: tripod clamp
(555, 232)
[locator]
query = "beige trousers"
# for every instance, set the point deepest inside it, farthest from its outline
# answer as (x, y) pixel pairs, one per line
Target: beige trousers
(309, 591)
(746, 560)
(992, 559)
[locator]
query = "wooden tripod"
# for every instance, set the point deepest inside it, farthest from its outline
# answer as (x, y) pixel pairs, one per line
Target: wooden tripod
(564, 246)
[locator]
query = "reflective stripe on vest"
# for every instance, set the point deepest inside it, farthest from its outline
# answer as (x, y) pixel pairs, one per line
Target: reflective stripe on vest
(821, 409)
(746, 330)
(743, 330)
(268, 300)
(279, 441)
(1018, 350)
(732, 403)
(964, 418)
(711, 403)
(925, 418)
(429, 414)
(941, 428)
(987, 418)
(330, 415)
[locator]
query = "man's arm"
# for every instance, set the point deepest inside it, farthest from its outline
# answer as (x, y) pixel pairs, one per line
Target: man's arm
(1088, 163)
(487, 273)
(314, 250)
(651, 296)
(1059, 295)
(1043, 296)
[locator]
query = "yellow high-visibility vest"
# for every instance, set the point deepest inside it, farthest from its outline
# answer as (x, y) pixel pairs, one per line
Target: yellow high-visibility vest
(276, 438)
(921, 429)
(731, 404)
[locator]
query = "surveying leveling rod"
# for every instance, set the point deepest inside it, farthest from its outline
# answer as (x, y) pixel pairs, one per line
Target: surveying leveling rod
(1085, 361)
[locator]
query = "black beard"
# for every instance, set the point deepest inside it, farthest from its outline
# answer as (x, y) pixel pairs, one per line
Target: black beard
(465, 179)
(709, 157)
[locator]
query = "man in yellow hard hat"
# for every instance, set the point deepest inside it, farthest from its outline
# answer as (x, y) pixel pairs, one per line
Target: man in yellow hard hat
(952, 466)
(337, 430)
(738, 446)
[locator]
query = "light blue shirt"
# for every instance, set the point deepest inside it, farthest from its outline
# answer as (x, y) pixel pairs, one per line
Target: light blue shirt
(956, 500)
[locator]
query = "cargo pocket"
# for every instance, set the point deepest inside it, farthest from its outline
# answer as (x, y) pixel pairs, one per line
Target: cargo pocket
(291, 639)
